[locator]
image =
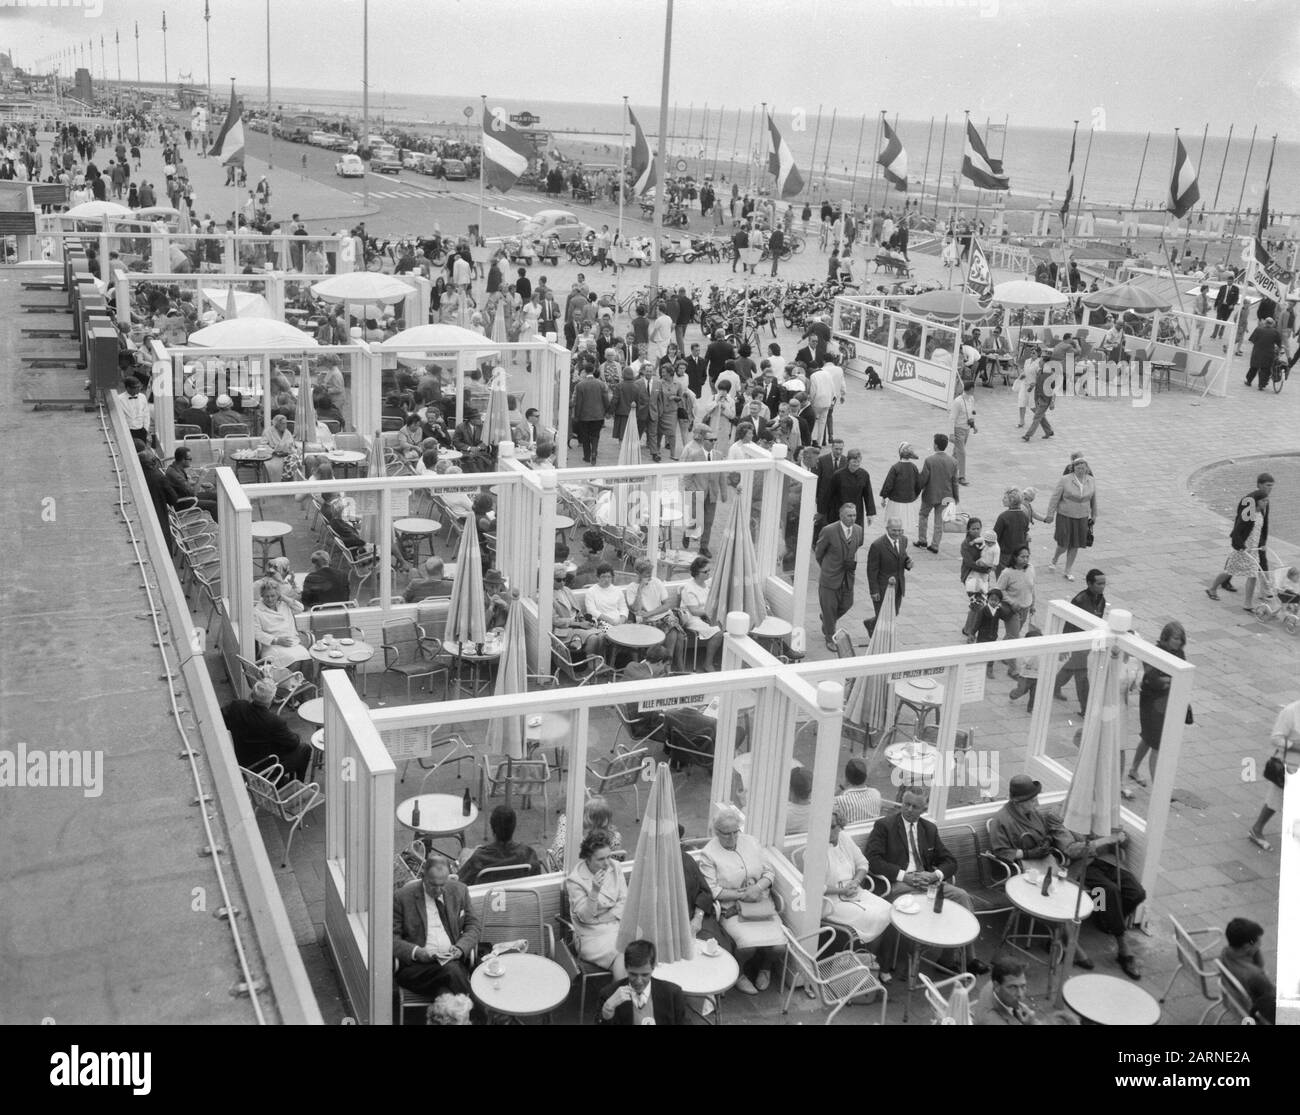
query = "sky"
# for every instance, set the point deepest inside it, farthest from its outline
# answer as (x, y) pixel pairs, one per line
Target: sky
(1149, 64)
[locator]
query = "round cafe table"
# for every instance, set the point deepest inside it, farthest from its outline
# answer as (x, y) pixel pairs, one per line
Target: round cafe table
(417, 530)
(563, 522)
(636, 637)
(480, 663)
(528, 986)
(449, 454)
(270, 532)
(923, 695)
(256, 457)
(954, 928)
(313, 711)
(1026, 892)
(704, 976)
(347, 655)
(345, 460)
(915, 760)
(317, 751)
(440, 815)
(772, 630)
(1109, 1001)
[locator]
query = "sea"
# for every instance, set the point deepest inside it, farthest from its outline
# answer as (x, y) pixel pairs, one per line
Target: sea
(1119, 166)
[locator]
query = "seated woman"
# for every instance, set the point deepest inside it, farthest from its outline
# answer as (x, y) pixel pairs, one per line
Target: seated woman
(695, 595)
(277, 636)
(606, 602)
(845, 903)
(279, 440)
(737, 872)
(411, 438)
(280, 573)
(597, 893)
(568, 623)
(338, 511)
(647, 601)
(596, 815)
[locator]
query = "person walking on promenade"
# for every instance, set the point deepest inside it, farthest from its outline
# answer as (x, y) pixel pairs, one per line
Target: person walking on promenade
(1286, 738)
(1248, 538)
(1074, 506)
(1044, 399)
(836, 554)
(938, 482)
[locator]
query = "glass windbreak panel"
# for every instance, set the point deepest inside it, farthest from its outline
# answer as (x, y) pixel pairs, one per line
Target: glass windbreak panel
(875, 326)
(907, 336)
(849, 315)
(940, 341)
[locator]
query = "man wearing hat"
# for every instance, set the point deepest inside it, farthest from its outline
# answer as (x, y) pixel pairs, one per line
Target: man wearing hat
(196, 414)
(1023, 835)
(226, 417)
(1265, 342)
(468, 439)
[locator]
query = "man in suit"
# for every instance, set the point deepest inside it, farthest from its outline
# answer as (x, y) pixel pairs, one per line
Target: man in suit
(938, 482)
(695, 370)
(887, 558)
(434, 931)
(720, 350)
(258, 733)
(589, 406)
(907, 850)
(836, 553)
(1224, 303)
(685, 315)
(705, 488)
(324, 584)
(532, 429)
(502, 851)
(640, 999)
(828, 464)
(772, 395)
(851, 484)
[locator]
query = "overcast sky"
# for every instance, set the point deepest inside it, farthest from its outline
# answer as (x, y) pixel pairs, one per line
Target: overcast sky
(1152, 64)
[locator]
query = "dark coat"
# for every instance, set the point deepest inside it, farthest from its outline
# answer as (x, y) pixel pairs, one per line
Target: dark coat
(887, 848)
(666, 1000)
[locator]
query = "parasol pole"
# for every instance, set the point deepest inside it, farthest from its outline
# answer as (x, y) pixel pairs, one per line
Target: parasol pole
(622, 190)
(482, 178)
(938, 183)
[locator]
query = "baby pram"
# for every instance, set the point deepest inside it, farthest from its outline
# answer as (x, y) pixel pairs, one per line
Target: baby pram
(1276, 596)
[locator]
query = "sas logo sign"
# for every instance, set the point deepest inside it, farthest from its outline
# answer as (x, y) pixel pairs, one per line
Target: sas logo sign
(903, 369)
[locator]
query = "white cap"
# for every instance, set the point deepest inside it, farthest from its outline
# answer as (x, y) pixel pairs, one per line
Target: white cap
(224, 401)
(198, 402)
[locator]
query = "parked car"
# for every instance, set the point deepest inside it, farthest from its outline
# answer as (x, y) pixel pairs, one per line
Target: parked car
(411, 160)
(319, 139)
(454, 169)
(559, 223)
(384, 159)
(350, 166)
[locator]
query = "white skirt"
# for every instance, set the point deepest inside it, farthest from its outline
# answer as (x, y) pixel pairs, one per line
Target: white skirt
(867, 914)
(904, 511)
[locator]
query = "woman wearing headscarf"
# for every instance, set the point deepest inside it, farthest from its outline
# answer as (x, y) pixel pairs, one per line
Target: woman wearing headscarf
(902, 489)
(1074, 506)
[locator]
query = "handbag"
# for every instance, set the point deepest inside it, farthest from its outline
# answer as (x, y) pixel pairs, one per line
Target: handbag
(760, 909)
(1275, 768)
(1088, 541)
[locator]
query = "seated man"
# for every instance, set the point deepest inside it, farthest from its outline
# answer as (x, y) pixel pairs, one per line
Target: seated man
(907, 850)
(1021, 832)
(468, 439)
(434, 931)
(324, 585)
(1243, 958)
(1002, 1002)
(797, 809)
(429, 581)
(258, 733)
(639, 999)
(226, 418)
(502, 851)
(857, 801)
(196, 414)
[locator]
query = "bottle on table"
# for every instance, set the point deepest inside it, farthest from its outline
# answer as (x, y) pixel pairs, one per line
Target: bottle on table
(465, 804)
(415, 814)
(938, 899)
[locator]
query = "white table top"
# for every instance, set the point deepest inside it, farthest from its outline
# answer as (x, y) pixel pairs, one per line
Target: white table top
(345, 456)
(774, 627)
(702, 975)
(914, 756)
(416, 525)
(548, 727)
(313, 711)
(263, 454)
(450, 454)
(1057, 906)
(955, 927)
(635, 636)
(1110, 1001)
(924, 694)
(491, 649)
(531, 985)
(318, 740)
(341, 655)
(563, 522)
(270, 529)
(440, 814)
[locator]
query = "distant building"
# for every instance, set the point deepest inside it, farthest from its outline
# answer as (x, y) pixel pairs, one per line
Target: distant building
(83, 88)
(6, 69)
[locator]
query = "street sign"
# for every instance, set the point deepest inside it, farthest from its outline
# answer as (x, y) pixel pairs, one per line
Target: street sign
(525, 119)
(469, 111)
(681, 165)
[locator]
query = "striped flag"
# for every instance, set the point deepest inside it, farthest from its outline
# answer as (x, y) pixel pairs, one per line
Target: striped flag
(781, 163)
(230, 140)
(981, 168)
(894, 159)
(1183, 189)
(505, 151)
(979, 277)
(1261, 272)
(1069, 185)
(643, 159)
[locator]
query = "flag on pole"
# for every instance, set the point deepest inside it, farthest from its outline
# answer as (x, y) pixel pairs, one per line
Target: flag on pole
(979, 278)
(781, 163)
(643, 159)
(979, 166)
(505, 151)
(1069, 185)
(1261, 272)
(1183, 189)
(230, 140)
(894, 159)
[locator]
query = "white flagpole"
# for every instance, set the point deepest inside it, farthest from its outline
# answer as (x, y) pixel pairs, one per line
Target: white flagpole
(857, 160)
(622, 189)
(660, 154)
(875, 159)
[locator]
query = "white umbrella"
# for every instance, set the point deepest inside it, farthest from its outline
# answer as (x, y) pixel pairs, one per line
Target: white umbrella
(361, 286)
(253, 332)
(444, 337)
(1025, 294)
(247, 303)
(97, 211)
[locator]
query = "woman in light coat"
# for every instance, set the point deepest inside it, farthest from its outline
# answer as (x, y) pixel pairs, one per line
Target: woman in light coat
(597, 894)
(1074, 506)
